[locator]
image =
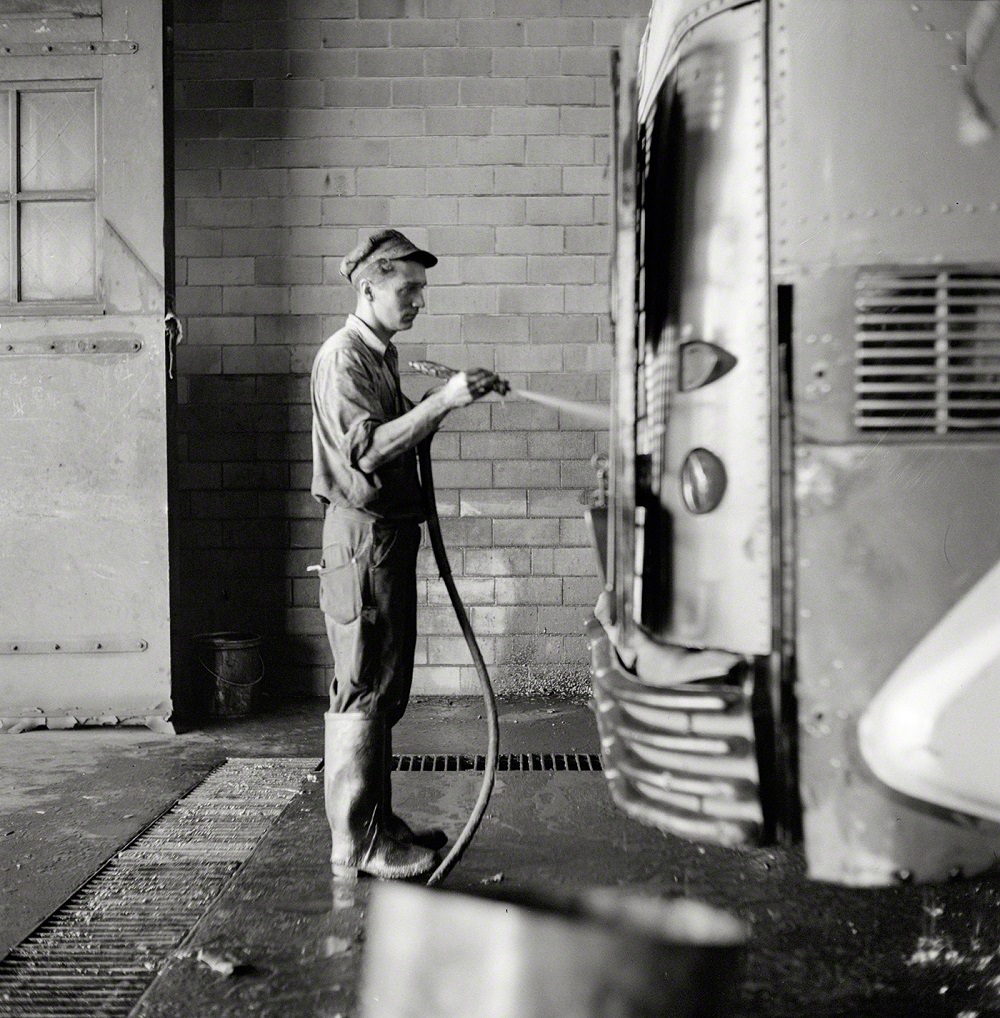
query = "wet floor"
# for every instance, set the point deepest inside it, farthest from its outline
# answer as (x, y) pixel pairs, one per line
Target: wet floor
(813, 949)
(70, 799)
(282, 939)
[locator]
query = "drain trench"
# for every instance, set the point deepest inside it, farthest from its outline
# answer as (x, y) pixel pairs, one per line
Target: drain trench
(97, 953)
(100, 951)
(505, 762)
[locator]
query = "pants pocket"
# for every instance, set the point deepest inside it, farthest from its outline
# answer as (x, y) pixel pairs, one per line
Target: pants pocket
(340, 584)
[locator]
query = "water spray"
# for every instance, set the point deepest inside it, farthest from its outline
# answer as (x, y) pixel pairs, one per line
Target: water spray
(597, 415)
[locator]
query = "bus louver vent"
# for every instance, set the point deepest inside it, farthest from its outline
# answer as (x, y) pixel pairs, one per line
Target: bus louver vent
(928, 350)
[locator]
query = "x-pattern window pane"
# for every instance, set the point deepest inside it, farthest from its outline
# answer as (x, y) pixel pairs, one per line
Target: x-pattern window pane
(57, 141)
(4, 145)
(5, 175)
(57, 250)
(4, 253)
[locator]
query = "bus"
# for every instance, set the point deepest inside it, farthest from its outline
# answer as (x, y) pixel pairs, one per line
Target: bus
(798, 639)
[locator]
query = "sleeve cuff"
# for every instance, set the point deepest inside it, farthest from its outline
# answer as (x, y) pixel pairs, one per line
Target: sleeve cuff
(358, 439)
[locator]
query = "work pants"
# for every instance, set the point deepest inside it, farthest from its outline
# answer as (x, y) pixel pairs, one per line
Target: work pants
(368, 593)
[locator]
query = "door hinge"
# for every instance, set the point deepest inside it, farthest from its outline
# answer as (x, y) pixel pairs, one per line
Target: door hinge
(113, 47)
(55, 347)
(91, 645)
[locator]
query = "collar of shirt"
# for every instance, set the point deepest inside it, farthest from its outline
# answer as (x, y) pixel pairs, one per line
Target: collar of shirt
(368, 335)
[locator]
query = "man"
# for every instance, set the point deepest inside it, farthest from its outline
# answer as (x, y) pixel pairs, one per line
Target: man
(365, 433)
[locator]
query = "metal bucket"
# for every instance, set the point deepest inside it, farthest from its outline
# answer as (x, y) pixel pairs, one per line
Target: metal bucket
(229, 673)
(600, 954)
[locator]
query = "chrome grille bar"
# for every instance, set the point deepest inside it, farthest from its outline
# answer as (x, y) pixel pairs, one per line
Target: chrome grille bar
(681, 758)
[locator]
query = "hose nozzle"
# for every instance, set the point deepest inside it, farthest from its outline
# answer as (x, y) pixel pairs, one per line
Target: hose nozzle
(501, 386)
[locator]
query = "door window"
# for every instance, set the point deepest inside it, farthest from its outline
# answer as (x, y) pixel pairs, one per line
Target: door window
(48, 196)
(5, 202)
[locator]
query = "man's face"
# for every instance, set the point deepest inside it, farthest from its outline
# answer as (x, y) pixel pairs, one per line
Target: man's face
(397, 299)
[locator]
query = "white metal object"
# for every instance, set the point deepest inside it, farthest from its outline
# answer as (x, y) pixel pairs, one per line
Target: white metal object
(931, 730)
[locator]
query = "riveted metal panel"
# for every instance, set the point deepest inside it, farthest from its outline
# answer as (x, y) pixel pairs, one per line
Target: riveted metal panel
(823, 360)
(621, 533)
(889, 538)
(722, 567)
(83, 508)
(868, 158)
(669, 22)
(677, 715)
(873, 175)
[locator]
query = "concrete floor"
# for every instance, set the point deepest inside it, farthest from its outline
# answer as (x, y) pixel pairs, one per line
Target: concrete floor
(70, 800)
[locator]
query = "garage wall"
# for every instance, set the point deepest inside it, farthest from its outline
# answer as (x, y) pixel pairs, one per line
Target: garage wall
(479, 128)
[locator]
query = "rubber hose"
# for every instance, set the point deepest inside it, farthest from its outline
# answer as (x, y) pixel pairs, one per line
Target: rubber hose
(492, 723)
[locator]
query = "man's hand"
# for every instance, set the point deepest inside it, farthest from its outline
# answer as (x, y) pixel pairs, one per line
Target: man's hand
(466, 386)
(391, 438)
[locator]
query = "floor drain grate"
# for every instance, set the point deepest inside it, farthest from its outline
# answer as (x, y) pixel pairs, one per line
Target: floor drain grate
(505, 762)
(99, 951)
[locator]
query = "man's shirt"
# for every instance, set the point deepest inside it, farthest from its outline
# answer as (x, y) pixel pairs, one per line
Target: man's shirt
(355, 388)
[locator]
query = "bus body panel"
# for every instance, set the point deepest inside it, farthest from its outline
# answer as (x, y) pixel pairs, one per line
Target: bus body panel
(875, 469)
(867, 115)
(677, 725)
(886, 545)
(885, 227)
(713, 250)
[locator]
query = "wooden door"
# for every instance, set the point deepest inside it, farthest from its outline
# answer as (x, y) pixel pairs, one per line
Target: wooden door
(84, 586)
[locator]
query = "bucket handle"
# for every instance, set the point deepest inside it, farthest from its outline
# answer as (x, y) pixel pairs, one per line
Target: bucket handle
(229, 682)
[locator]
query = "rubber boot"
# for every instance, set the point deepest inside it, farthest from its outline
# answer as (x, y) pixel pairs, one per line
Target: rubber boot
(353, 760)
(433, 838)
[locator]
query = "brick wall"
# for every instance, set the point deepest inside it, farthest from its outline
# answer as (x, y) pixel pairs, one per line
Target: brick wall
(479, 128)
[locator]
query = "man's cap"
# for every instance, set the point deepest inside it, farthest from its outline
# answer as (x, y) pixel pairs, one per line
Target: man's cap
(390, 244)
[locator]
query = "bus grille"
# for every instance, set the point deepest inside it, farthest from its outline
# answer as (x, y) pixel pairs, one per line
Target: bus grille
(927, 344)
(680, 758)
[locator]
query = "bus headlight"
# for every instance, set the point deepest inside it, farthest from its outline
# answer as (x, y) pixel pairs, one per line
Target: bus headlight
(703, 481)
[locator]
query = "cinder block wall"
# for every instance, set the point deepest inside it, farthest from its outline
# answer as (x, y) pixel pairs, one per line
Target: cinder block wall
(481, 129)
